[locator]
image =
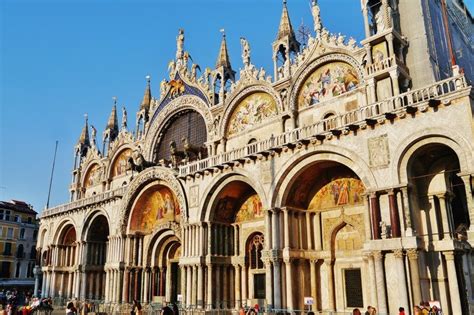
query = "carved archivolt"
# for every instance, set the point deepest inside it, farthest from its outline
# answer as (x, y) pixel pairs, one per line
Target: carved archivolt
(175, 106)
(334, 57)
(157, 174)
(241, 96)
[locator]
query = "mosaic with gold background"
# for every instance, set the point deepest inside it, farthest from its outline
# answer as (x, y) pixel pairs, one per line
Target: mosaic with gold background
(121, 163)
(339, 192)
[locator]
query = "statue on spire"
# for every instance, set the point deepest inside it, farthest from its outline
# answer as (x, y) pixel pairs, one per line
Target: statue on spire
(124, 118)
(245, 52)
(93, 136)
(180, 44)
(316, 12)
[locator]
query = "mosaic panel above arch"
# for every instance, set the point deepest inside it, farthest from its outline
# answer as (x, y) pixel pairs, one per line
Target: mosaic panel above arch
(339, 192)
(121, 163)
(250, 209)
(252, 111)
(92, 177)
(155, 206)
(326, 82)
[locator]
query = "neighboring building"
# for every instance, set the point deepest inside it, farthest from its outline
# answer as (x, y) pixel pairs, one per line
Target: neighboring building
(347, 177)
(18, 235)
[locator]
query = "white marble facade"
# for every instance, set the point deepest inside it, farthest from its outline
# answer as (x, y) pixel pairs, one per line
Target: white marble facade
(312, 183)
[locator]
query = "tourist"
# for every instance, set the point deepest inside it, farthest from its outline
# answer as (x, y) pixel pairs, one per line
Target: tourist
(241, 311)
(356, 311)
(417, 310)
(137, 308)
(436, 311)
(401, 311)
(166, 311)
(175, 309)
(310, 313)
(70, 309)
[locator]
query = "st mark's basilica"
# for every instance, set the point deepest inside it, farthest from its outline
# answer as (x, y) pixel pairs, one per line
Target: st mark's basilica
(345, 175)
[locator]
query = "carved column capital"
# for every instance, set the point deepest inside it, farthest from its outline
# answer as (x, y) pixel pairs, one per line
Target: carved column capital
(412, 254)
(377, 255)
(398, 253)
(449, 255)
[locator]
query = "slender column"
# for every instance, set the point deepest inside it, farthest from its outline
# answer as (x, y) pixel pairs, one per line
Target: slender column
(317, 231)
(83, 285)
(444, 215)
(330, 274)
(210, 299)
(194, 283)
(236, 240)
(163, 281)
(244, 283)
(394, 216)
(147, 289)
(77, 284)
(69, 285)
(366, 22)
(394, 77)
(375, 211)
(200, 286)
(209, 239)
(372, 281)
(277, 283)
(126, 286)
(402, 285)
(268, 283)
(312, 274)
(238, 296)
(407, 213)
(380, 279)
(135, 286)
(183, 284)
(153, 282)
(415, 274)
(61, 285)
(217, 272)
(469, 198)
(453, 283)
(287, 228)
(189, 274)
(309, 233)
(268, 230)
(289, 285)
(45, 291)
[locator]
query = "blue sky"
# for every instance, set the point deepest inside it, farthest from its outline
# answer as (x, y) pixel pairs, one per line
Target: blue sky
(61, 59)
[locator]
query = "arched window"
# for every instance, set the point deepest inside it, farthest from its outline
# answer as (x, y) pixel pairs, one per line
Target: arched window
(254, 251)
(33, 253)
(328, 122)
(20, 251)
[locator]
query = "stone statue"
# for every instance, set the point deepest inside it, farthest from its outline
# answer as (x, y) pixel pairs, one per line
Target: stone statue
(93, 135)
(194, 70)
(137, 162)
(379, 21)
(179, 44)
(124, 118)
(245, 51)
(163, 87)
(316, 17)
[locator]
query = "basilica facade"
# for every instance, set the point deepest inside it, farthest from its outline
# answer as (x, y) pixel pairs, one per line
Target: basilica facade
(345, 176)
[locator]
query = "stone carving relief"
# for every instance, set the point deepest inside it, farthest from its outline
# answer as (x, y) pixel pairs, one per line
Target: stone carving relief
(379, 153)
(194, 196)
(330, 224)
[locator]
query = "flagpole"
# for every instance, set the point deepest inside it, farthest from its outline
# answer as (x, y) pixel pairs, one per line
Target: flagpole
(52, 172)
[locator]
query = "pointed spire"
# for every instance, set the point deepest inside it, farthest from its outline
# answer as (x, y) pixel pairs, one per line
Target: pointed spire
(223, 59)
(285, 28)
(112, 129)
(84, 138)
(147, 96)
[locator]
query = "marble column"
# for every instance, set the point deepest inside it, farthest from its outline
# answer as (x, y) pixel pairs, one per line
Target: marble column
(189, 274)
(277, 283)
(407, 212)
(415, 275)
(69, 285)
(313, 276)
(331, 291)
(401, 277)
(444, 216)
(200, 286)
(287, 229)
(375, 212)
(146, 284)
(244, 283)
(394, 216)
(289, 285)
(380, 280)
(238, 296)
(466, 178)
(453, 283)
(210, 277)
(268, 283)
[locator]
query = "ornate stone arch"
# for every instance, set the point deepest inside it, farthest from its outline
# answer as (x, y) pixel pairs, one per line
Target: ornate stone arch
(216, 186)
(114, 155)
(337, 224)
(304, 73)
(60, 229)
(175, 106)
(160, 175)
(159, 238)
(89, 218)
(241, 95)
(410, 144)
(284, 179)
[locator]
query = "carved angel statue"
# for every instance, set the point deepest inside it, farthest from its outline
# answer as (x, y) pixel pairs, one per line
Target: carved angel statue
(179, 44)
(316, 11)
(93, 135)
(171, 67)
(194, 70)
(262, 74)
(245, 51)
(124, 118)
(163, 87)
(379, 21)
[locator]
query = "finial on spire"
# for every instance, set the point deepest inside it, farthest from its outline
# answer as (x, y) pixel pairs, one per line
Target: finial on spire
(148, 77)
(223, 58)
(84, 138)
(147, 95)
(180, 44)
(285, 28)
(316, 12)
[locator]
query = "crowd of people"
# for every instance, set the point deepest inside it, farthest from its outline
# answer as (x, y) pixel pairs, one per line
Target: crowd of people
(423, 309)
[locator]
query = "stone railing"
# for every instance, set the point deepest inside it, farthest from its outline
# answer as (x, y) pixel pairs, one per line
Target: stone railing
(84, 202)
(335, 125)
(383, 65)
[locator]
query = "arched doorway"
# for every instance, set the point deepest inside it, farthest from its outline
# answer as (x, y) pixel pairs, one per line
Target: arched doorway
(95, 256)
(439, 210)
(323, 216)
(236, 236)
